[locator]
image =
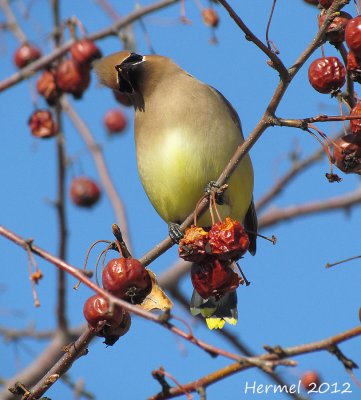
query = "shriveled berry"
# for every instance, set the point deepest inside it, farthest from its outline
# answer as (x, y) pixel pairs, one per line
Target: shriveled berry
(214, 278)
(310, 380)
(115, 121)
(210, 17)
(354, 67)
(347, 154)
(192, 246)
(42, 125)
(326, 74)
(326, 3)
(46, 87)
(72, 77)
(84, 192)
(26, 54)
(335, 33)
(127, 279)
(122, 98)
(112, 333)
(228, 240)
(97, 309)
(353, 35)
(85, 51)
(355, 124)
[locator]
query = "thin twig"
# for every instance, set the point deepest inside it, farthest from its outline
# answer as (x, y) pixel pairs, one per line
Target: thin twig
(12, 23)
(276, 216)
(277, 354)
(96, 152)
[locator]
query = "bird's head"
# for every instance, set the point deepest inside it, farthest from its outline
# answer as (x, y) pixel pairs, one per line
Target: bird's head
(133, 74)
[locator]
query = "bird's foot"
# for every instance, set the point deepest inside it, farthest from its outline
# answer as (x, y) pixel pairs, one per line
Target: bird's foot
(213, 187)
(174, 232)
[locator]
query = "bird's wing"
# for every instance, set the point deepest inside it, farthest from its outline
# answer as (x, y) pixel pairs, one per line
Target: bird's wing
(232, 111)
(250, 220)
(251, 226)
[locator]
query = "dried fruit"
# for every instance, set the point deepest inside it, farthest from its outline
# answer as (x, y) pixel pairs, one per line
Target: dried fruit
(210, 17)
(115, 121)
(46, 87)
(347, 154)
(228, 240)
(355, 124)
(326, 74)
(97, 309)
(335, 33)
(84, 51)
(113, 333)
(72, 77)
(354, 67)
(214, 278)
(122, 98)
(310, 380)
(193, 245)
(26, 54)
(42, 125)
(127, 279)
(84, 192)
(353, 35)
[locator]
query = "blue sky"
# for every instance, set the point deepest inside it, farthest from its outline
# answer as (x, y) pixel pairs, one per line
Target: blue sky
(292, 300)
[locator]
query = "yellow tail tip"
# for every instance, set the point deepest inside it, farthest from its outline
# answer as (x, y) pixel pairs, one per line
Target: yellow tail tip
(218, 323)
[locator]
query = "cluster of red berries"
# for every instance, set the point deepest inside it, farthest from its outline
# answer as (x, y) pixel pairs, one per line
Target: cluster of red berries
(71, 75)
(212, 253)
(328, 75)
(127, 279)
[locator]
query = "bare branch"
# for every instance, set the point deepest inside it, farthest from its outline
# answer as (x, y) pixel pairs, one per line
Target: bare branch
(276, 216)
(96, 152)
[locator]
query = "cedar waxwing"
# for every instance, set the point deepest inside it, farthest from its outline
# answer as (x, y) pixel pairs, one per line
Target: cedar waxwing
(185, 134)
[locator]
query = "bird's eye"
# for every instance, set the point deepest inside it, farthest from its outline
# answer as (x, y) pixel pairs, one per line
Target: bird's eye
(133, 58)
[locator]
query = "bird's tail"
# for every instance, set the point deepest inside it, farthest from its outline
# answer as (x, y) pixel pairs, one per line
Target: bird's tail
(216, 311)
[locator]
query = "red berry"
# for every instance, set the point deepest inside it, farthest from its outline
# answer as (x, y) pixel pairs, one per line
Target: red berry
(42, 125)
(84, 192)
(46, 87)
(353, 35)
(97, 309)
(214, 278)
(72, 77)
(310, 380)
(228, 240)
(354, 67)
(84, 51)
(326, 74)
(210, 17)
(335, 33)
(115, 121)
(325, 3)
(355, 124)
(127, 279)
(192, 246)
(26, 54)
(347, 154)
(313, 2)
(122, 98)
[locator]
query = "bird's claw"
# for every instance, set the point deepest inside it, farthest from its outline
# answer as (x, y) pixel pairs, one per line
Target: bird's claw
(174, 232)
